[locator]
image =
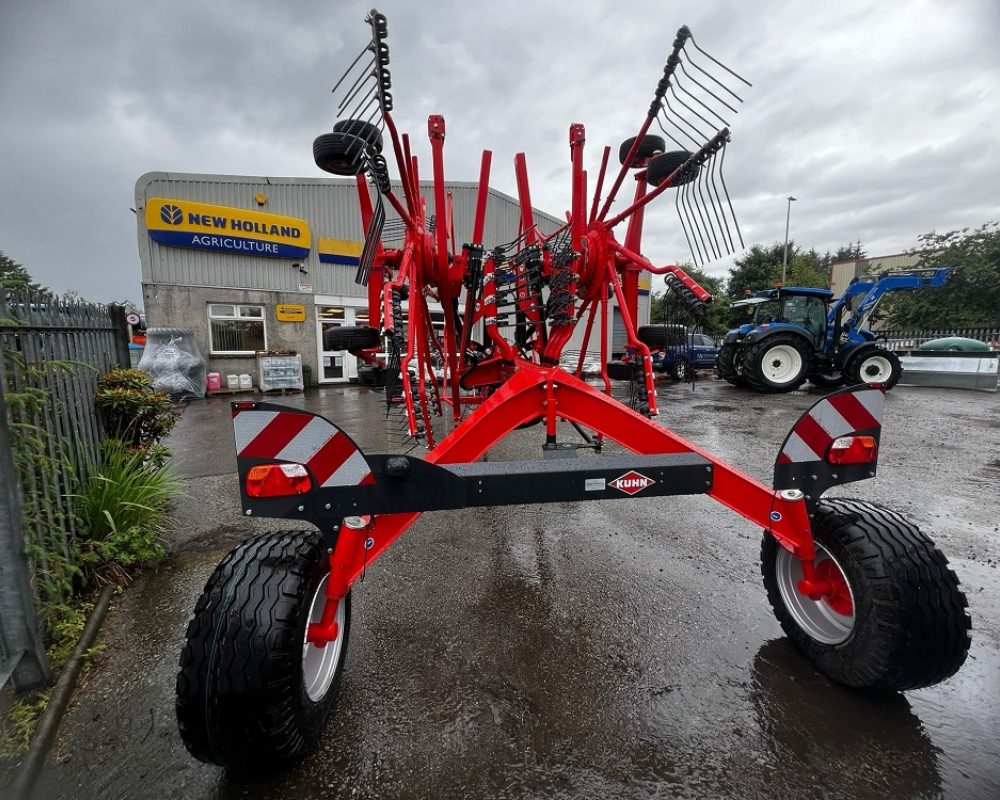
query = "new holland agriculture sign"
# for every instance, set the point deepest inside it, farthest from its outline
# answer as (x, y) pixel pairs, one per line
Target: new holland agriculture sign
(229, 230)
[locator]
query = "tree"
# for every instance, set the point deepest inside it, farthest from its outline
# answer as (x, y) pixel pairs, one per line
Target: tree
(666, 307)
(14, 276)
(760, 268)
(970, 299)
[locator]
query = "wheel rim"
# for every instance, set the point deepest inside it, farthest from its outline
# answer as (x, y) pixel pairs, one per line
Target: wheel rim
(781, 364)
(681, 369)
(319, 664)
(876, 369)
(829, 620)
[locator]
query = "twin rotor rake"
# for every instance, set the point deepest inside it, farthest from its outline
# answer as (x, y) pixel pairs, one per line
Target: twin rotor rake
(520, 302)
(861, 591)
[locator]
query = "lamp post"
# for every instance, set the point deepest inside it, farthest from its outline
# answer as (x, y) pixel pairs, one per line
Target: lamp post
(784, 255)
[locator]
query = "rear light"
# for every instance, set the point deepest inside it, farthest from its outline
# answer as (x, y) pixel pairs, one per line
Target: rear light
(853, 450)
(277, 480)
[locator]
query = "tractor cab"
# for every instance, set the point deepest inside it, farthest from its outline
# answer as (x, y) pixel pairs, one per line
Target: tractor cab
(804, 308)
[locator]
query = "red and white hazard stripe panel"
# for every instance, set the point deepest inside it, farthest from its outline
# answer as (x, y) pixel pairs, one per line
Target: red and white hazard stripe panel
(832, 417)
(304, 439)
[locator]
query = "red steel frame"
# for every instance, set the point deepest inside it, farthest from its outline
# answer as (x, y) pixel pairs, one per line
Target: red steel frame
(521, 387)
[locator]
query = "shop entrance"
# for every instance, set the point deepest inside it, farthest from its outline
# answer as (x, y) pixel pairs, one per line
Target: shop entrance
(337, 366)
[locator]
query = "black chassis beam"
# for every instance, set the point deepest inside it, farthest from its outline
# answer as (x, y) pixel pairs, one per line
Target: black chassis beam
(405, 484)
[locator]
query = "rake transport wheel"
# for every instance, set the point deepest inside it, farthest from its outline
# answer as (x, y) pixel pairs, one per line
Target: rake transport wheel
(780, 363)
(348, 338)
(252, 693)
(622, 371)
(874, 366)
(893, 617)
(649, 146)
(662, 167)
(365, 131)
(339, 153)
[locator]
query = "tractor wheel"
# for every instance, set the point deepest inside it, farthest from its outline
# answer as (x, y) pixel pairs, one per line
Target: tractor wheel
(622, 371)
(662, 167)
(649, 146)
(252, 693)
(681, 370)
(827, 381)
(874, 366)
(348, 338)
(365, 131)
(894, 617)
(731, 365)
(339, 153)
(780, 363)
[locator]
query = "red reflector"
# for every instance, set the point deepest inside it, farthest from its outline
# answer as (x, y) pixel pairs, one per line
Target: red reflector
(853, 450)
(243, 405)
(277, 480)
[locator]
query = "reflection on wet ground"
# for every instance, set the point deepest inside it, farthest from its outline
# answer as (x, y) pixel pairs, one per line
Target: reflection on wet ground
(618, 649)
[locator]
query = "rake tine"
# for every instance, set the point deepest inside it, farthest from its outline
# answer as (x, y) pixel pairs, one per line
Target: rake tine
(709, 227)
(696, 250)
(719, 63)
(669, 117)
(711, 126)
(722, 179)
(359, 84)
(706, 89)
(669, 135)
(723, 222)
(684, 227)
(348, 70)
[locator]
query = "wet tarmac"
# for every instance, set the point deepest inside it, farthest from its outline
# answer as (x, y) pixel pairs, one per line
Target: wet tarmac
(616, 649)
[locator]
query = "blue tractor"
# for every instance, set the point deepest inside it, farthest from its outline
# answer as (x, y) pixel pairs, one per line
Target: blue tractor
(792, 335)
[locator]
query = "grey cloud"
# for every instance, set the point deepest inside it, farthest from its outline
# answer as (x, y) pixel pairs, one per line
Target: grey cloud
(877, 116)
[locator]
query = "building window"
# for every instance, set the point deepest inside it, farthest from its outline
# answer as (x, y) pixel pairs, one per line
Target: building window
(236, 330)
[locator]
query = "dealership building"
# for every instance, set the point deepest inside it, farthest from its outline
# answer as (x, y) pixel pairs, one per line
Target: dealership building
(253, 264)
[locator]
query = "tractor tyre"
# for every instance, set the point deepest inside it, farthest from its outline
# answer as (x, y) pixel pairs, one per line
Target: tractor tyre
(895, 616)
(622, 371)
(681, 370)
(649, 146)
(731, 365)
(826, 381)
(876, 365)
(339, 153)
(779, 363)
(365, 131)
(662, 167)
(252, 693)
(348, 338)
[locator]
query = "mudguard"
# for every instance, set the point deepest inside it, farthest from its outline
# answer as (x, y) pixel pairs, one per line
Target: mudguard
(803, 461)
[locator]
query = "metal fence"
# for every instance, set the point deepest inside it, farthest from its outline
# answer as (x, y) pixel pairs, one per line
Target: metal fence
(910, 340)
(51, 356)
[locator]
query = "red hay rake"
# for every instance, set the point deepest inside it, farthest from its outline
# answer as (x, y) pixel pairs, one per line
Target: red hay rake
(862, 592)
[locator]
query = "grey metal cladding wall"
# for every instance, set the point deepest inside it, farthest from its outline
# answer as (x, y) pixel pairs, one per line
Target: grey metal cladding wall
(329, 206)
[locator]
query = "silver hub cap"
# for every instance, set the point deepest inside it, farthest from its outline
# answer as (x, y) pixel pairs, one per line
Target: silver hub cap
(319, 664)
(815, 617)
(876, 369)
(781, 364)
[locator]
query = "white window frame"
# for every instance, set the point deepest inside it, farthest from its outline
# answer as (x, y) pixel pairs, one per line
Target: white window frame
(236, 317)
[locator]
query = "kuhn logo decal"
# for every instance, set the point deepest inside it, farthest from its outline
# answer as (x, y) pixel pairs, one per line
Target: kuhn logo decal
(631, 482)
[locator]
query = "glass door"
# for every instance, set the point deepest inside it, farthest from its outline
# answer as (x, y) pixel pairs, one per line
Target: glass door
(335, 366)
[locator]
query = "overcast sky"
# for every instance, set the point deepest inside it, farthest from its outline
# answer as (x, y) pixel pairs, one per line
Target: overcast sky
(880, 117)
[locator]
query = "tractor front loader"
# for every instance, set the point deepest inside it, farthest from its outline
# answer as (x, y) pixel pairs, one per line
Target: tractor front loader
(863, 593)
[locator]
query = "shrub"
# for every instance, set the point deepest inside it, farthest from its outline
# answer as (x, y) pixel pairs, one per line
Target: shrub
(131, 411)
(122, 509)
